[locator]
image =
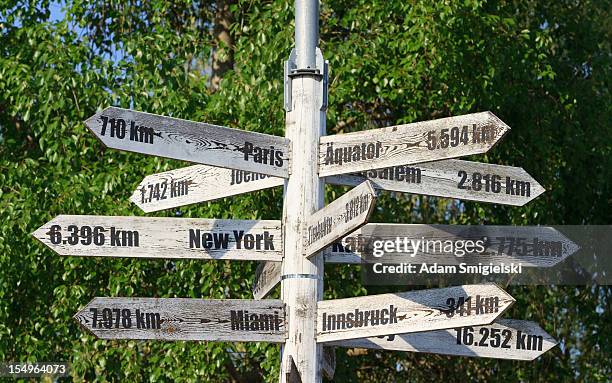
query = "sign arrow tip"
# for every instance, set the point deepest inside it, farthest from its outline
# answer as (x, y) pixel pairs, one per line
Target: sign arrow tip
(498, 121)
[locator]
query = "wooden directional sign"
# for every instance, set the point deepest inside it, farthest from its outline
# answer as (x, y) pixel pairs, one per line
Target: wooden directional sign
(414, 311)
(531, 246)
(191, 141)
(152, 237)
(339, 218)
(198, 183)
(465, 180)
(234, 320)
(409, 144)
(503, 339)
(267, 275)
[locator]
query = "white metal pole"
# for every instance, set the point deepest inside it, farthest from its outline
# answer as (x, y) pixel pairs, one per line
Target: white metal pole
(302, 280)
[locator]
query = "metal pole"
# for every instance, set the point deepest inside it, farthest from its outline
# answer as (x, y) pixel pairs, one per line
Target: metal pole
(302, 280)
(306, 33)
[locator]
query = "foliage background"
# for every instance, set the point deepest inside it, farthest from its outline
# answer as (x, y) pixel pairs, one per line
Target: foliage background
(543, 66)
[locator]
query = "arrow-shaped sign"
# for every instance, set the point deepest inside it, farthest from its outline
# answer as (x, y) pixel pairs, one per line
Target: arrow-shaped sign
(233, 320)
(531, 246)
(267, 275)
(409, 144)
(153, 237)
(465, 180)
(413, 311)
(339, 218)
(503, 339)
(197, 183)
(192, 141)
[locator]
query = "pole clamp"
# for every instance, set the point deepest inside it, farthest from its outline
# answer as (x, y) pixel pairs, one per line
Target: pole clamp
(320, 71)
(300, 276)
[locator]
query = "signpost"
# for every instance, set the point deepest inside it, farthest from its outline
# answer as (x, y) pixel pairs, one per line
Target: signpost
(233, 320)
(531, 246)
(339, 218)
(144, 237)
(413, 311)
(409, 144)
(466, 180)
(191, 141)
(503, 339)
(197, 183)
(306, 81)
(234, 161)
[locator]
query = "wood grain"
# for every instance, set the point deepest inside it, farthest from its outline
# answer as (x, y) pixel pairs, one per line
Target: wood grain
(531, 246)
(153, 237)
(267, 276)
(519, 340)
(303, 194)
(408, 144)
(415, 311)
(339, 218)
(188, 140)
(184, 319)
(195, 184)
(444, 179)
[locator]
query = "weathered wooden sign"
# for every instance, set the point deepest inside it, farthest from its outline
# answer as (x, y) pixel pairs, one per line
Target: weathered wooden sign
(531, 246)
(192, 141)
(197, 183)
(464, 180)
(503, 339)
(267, 275)
(153, 237)
(234, 320)
(409, 144)
(413, 311)
(339, 218)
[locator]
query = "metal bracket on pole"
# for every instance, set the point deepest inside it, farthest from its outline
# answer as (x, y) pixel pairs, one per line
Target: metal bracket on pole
(320, 71)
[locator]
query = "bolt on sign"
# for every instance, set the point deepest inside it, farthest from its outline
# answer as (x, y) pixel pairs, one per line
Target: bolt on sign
(410, 144)
(466, 180)
(169, 137)
(153, 237)
(413, 311)
(234, 320)
(502, 339)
